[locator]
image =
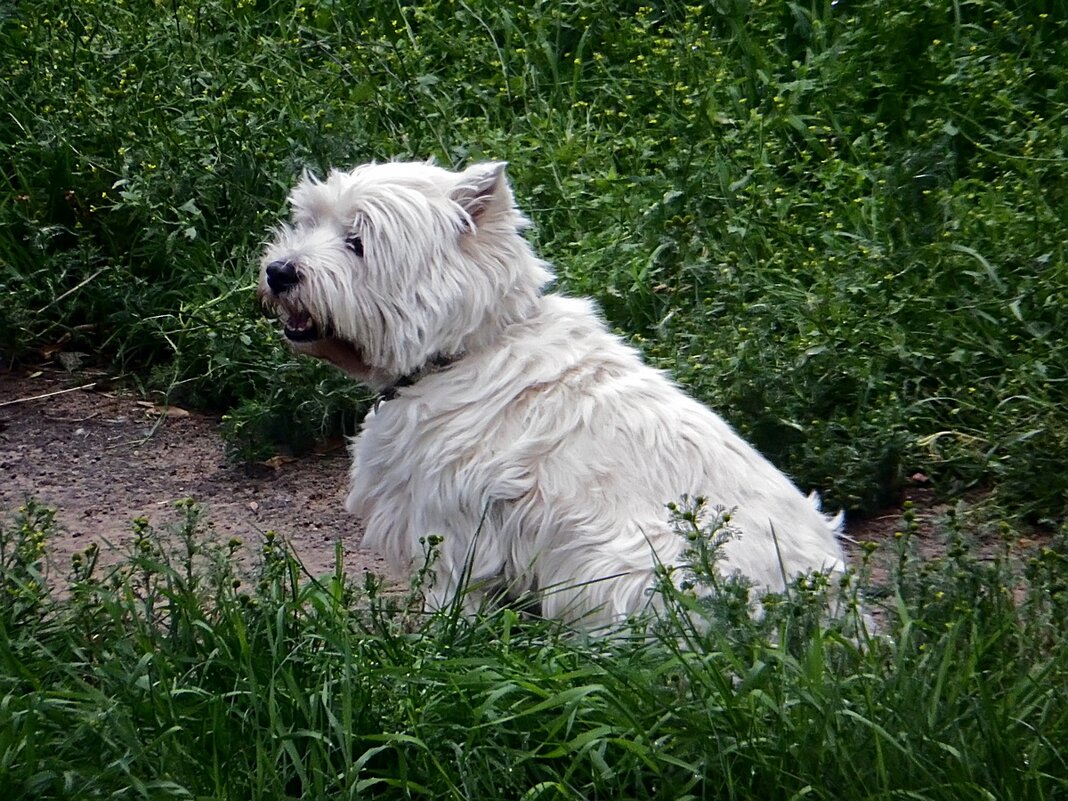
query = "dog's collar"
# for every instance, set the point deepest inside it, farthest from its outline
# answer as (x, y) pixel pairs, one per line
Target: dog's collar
(435, 365)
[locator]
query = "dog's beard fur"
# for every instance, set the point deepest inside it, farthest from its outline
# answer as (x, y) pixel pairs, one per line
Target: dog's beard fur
(319, 314)
(545, 452)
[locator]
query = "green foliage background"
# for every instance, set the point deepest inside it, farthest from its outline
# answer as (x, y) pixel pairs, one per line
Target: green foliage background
(841, 224)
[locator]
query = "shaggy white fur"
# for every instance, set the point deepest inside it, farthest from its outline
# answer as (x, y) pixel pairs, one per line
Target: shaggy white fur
(520, 429)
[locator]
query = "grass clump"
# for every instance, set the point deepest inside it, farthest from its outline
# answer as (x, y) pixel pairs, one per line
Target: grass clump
(172, 676)
(838, 222)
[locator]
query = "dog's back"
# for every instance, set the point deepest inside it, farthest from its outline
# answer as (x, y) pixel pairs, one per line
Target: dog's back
(548, 462)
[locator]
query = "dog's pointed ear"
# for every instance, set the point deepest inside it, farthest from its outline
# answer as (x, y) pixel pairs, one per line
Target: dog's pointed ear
(482, 191)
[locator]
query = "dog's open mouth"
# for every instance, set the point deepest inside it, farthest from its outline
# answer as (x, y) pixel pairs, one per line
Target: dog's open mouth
(299, 326)
(313, 337)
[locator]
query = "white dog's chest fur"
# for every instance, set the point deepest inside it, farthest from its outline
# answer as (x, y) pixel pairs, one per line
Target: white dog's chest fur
(546, 462)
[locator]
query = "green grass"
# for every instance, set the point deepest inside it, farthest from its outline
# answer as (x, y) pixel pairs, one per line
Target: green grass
(169, 676)
(841, 224)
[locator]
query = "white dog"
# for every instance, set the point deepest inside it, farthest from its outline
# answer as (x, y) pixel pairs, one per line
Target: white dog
(514, 424)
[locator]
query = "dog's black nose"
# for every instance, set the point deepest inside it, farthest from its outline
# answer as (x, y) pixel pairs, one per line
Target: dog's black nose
(281, 275)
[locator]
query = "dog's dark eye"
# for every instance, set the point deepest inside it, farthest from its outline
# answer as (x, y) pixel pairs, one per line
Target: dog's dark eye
(354, 243)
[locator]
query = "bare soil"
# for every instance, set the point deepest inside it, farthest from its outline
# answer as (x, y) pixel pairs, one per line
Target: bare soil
(102, 457)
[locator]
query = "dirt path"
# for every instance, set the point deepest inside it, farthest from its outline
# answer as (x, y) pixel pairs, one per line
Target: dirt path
(102, 458)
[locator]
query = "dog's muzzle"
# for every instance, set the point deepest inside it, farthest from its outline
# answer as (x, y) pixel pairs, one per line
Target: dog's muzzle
(297, 323)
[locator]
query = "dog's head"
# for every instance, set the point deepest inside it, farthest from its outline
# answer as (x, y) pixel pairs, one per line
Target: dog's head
(385, 268)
